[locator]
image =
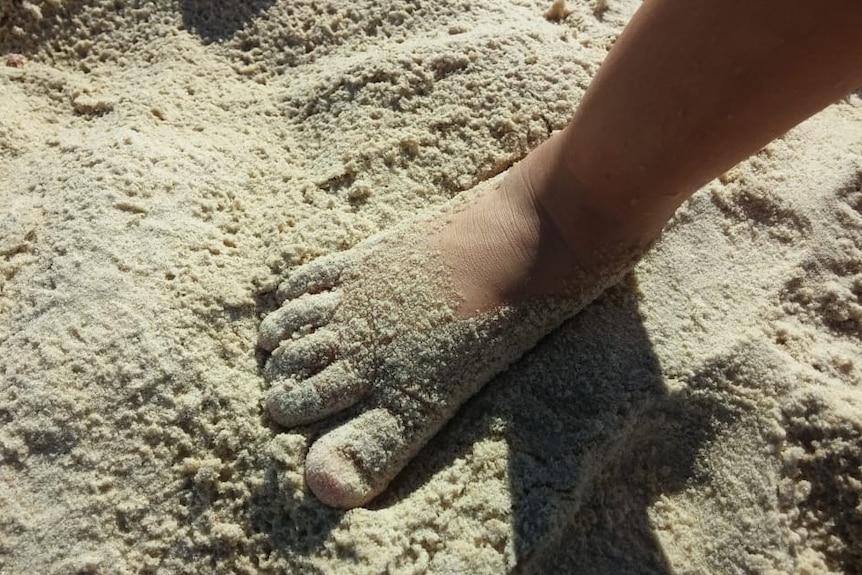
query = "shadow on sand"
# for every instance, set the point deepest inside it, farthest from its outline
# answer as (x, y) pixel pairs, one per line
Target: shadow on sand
(594, 438)
(218, 20)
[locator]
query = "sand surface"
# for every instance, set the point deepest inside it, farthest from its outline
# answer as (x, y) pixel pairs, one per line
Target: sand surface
(164, 164)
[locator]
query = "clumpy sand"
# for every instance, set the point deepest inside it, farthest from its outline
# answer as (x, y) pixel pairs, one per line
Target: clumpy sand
(164, 165)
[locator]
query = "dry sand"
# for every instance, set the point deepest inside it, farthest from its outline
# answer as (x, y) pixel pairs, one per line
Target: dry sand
(164, 164)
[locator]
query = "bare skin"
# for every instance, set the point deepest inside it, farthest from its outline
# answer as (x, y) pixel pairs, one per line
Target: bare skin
(689, 90)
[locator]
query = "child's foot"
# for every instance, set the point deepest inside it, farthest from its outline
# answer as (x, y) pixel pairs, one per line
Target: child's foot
(406, 326)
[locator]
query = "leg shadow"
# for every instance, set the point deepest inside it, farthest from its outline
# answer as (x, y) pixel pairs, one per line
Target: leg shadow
(580, 452)
(597, 438)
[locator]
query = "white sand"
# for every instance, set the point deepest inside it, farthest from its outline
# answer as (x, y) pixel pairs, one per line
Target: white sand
(163, 165)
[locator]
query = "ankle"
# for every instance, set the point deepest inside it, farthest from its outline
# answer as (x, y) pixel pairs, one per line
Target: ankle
(592, 229)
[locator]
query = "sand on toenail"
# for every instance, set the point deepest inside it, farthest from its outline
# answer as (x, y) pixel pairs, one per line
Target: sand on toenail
(334, 478)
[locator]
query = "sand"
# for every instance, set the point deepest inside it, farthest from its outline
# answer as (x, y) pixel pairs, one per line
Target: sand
(165, 165)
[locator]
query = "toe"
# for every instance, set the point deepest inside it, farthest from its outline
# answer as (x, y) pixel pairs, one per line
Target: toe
(355, 462)
(334, 389)
(317, 276)
(334, 478)
(304, 356)
(309, 311)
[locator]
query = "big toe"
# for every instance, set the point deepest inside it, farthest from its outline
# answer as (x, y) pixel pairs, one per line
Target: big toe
(334, 478)
(355, 462)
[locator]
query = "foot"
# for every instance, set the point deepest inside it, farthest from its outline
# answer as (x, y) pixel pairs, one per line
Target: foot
(402, 329)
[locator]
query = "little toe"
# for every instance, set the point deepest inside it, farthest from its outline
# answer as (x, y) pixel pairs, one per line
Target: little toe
(304, 356)
(332, 390)
(356, 461)
(316, 276)
(308, 311)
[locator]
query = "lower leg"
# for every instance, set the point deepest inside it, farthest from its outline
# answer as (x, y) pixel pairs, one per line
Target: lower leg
(689, 90)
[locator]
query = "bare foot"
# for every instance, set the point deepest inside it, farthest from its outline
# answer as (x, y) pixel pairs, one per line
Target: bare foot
(406, 326)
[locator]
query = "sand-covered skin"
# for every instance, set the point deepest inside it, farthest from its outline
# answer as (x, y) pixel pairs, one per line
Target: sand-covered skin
(380, 334)
(164, 166)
